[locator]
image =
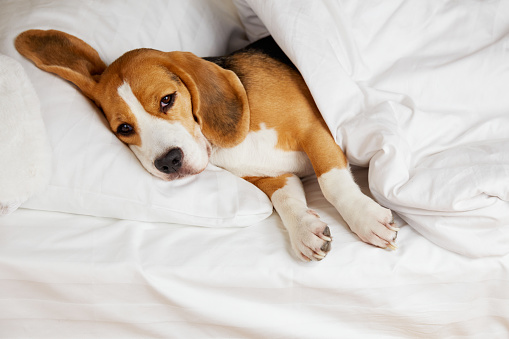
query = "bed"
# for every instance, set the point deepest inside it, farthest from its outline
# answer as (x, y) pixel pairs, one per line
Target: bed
(414, 92)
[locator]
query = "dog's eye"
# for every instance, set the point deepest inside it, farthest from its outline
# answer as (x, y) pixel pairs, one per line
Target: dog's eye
(125, 129)
(166, 102)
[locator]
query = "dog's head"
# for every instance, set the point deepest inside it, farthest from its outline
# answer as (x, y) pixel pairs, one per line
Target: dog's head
(169, 108)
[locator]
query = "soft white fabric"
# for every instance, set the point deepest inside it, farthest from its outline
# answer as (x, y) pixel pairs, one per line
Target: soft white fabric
(25, 154)
(69, 276)
(417, 90)
(93, 172)
(65, 276)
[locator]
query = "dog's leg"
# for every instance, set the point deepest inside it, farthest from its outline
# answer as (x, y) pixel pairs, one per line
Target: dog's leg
(371, 222)
(310, 237)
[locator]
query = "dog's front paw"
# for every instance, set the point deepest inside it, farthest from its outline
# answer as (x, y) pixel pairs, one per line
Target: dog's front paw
(310, 237)
(373, 223)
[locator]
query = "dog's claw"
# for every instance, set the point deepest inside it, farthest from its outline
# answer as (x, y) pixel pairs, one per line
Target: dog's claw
(392, 228)
(326, 234)
(318, 256)
(392, 246)
(326, 247)
(326, 231)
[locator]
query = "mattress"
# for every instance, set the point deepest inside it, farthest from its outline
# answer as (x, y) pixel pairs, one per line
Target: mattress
(105, 250)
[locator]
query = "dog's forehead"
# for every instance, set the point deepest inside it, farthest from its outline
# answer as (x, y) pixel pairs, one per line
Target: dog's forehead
(140, 72)
(139, 62)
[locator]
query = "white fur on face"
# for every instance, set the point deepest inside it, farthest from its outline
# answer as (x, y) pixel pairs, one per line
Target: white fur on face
(158, 136)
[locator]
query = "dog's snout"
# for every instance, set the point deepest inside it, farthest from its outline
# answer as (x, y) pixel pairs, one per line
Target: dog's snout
(170, 162)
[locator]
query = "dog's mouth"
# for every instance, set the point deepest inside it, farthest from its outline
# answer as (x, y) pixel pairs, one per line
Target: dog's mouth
(181, 174)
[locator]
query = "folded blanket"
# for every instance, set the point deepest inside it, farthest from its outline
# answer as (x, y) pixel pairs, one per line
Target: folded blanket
(419, 91)
(25, 155)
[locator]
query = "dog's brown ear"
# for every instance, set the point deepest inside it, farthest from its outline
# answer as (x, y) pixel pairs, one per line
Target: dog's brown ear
(63, 54)
(218, 97)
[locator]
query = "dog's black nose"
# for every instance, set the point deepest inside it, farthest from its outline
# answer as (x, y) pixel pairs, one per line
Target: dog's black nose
(170, 162)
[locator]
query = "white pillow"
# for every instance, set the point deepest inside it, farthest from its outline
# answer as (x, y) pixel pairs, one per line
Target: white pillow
(93, 172)
(25, 161)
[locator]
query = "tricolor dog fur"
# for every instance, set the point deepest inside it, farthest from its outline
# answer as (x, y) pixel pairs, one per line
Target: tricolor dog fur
(249, 112)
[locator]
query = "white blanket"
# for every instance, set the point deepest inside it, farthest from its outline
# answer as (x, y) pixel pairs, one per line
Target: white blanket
(419, 91)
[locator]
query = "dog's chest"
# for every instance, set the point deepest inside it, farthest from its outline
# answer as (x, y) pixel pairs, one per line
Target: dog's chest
(257, 155)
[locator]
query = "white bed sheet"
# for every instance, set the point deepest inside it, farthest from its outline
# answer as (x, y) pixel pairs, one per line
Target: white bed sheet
(70, 276)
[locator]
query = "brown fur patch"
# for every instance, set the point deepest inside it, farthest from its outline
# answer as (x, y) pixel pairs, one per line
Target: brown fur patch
(219, 100)
(289, 109)
(269, 184)
(62, 54)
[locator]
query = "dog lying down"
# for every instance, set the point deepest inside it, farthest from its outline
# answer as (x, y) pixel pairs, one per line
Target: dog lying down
(249, 112)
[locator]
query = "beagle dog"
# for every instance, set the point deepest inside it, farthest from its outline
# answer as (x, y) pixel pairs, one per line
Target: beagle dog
(249, 112)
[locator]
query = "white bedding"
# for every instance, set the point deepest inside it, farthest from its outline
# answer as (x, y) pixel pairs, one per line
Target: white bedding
(68, 276)
(417, 90)
(65, 275)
